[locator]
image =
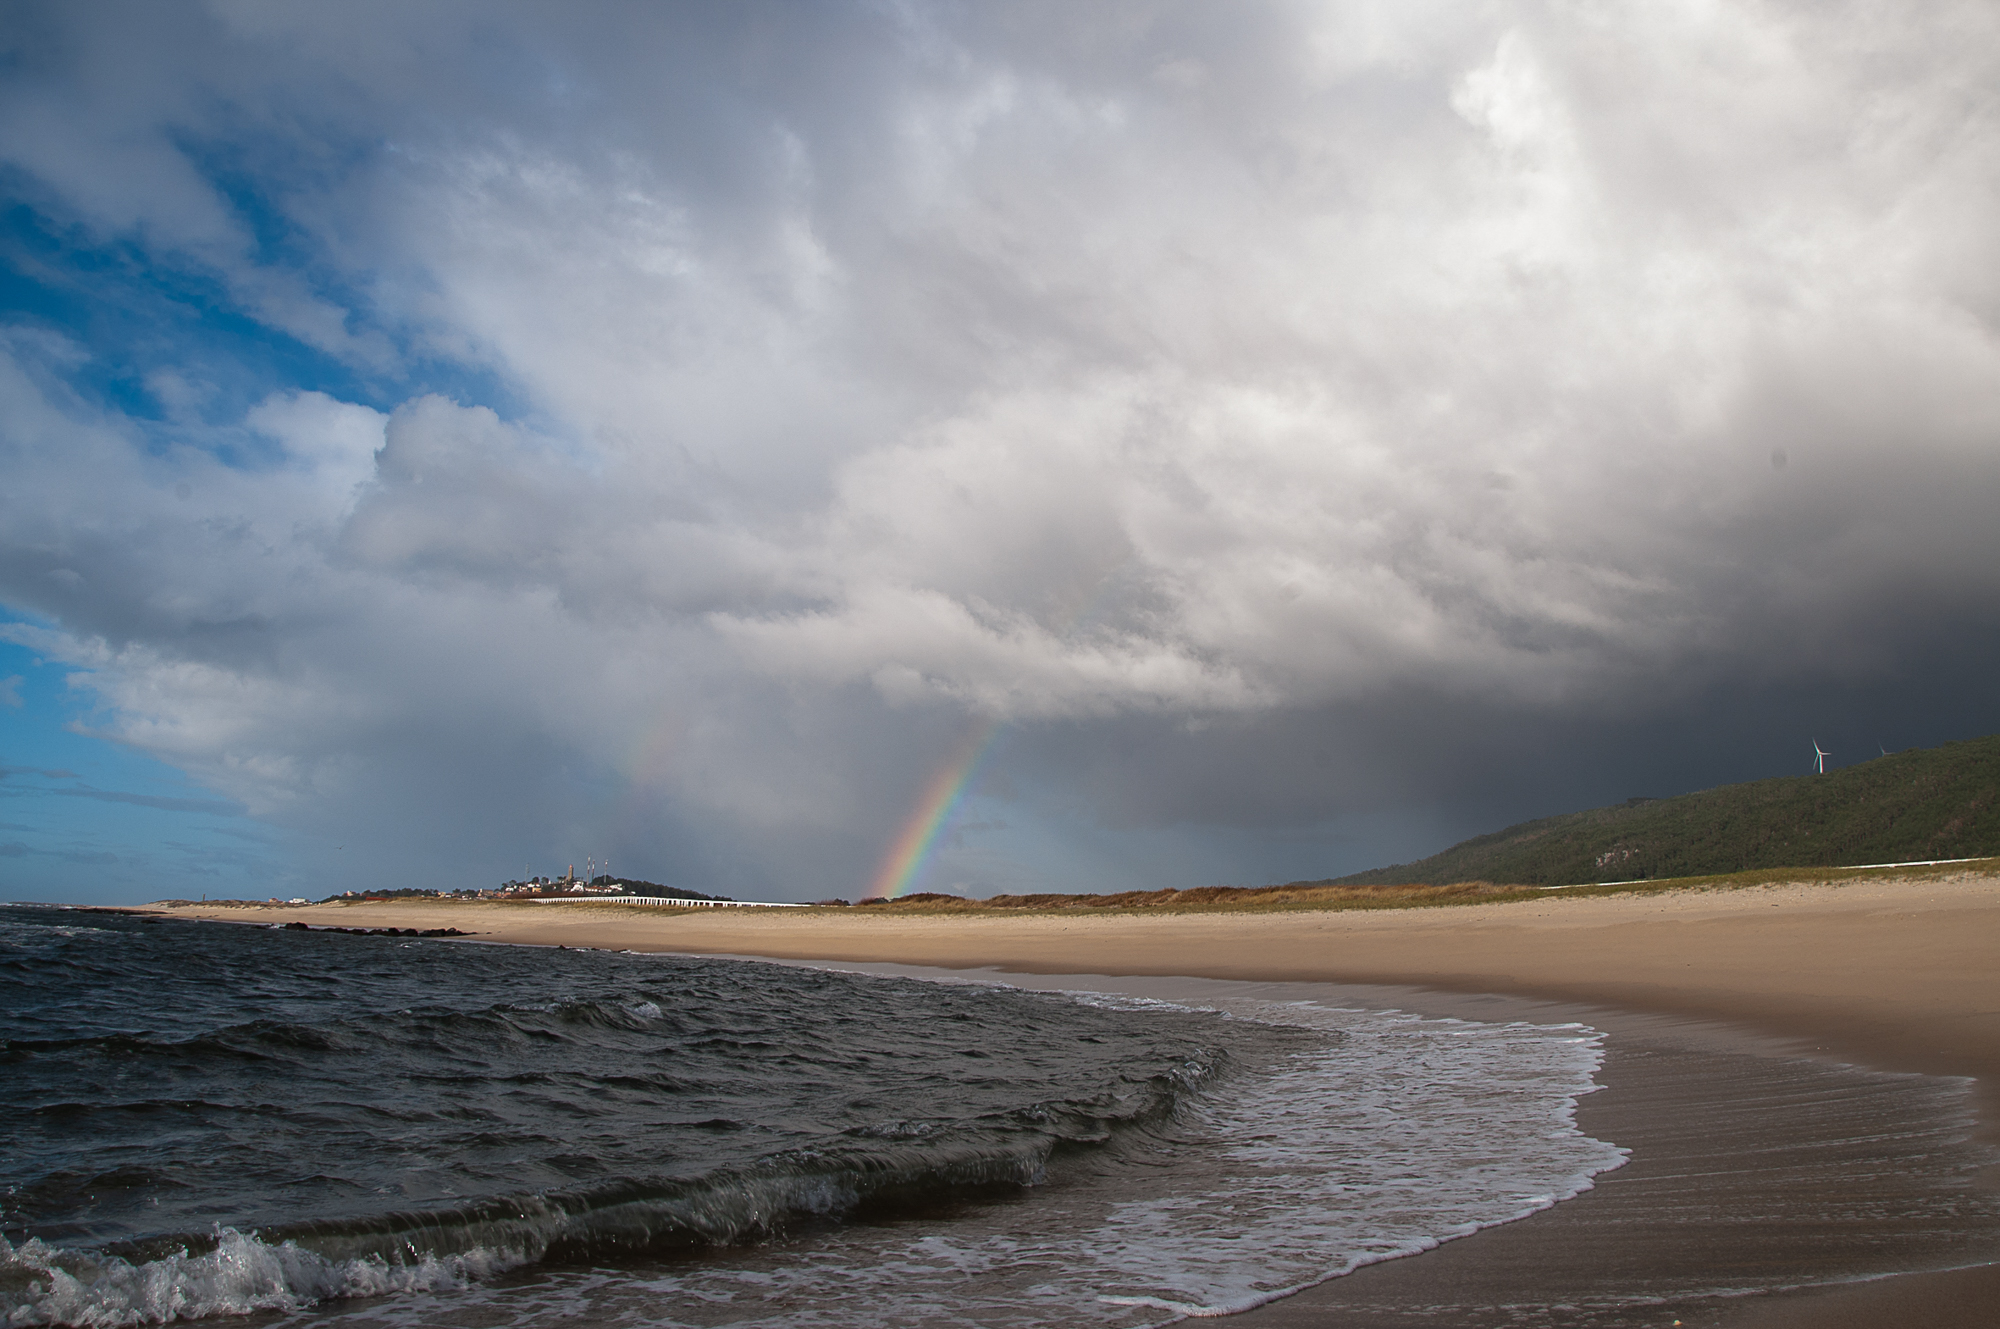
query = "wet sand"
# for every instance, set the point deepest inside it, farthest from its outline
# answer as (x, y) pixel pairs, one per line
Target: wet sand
(1727, 1012)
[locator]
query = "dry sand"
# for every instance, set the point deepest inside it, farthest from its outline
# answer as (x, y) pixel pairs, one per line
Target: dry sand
(1899, 975)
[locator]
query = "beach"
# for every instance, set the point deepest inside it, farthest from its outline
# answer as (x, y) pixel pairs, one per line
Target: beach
(1715, 1003)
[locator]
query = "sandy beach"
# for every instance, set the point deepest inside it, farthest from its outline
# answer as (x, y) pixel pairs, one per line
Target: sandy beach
(1708, 997)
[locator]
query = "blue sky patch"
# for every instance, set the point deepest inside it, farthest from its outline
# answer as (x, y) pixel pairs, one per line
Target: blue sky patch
(86, 819)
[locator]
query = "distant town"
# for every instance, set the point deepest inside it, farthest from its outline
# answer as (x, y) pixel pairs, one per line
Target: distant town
(569, 884)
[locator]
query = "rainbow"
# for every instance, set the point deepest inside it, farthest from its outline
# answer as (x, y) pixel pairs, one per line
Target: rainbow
(912, 847)
(647, 766)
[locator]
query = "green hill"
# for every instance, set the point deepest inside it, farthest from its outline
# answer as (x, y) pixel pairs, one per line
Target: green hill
(1925, 803)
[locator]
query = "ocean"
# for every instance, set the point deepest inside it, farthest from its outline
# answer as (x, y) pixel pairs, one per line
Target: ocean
(210, 1120)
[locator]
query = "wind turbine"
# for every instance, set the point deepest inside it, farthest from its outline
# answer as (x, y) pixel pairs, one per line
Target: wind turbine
(1821, 757)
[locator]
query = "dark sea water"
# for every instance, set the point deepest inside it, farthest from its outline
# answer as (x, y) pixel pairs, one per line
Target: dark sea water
(206, 1119)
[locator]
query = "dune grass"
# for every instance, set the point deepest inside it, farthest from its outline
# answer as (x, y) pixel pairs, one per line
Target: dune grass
(1406, 895)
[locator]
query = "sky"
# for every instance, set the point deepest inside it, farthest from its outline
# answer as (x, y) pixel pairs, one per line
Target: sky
(790, 451)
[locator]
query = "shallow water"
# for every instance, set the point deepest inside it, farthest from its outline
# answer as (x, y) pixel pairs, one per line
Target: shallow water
(213, 1119)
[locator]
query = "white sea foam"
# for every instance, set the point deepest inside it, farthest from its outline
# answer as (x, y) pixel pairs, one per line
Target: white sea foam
(42, 1284)
(1403, 1134)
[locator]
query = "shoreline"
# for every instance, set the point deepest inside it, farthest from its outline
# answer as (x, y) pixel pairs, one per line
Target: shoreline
(1715, 1182)
(1894, 975)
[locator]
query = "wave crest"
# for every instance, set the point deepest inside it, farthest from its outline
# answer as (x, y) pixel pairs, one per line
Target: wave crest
(42, 1284)
(296, 1265)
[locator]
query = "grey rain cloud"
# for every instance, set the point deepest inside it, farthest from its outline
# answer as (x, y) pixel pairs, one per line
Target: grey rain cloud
(1276, 415)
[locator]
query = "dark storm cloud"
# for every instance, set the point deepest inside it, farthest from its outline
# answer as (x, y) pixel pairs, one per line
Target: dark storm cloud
(1278, 417)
